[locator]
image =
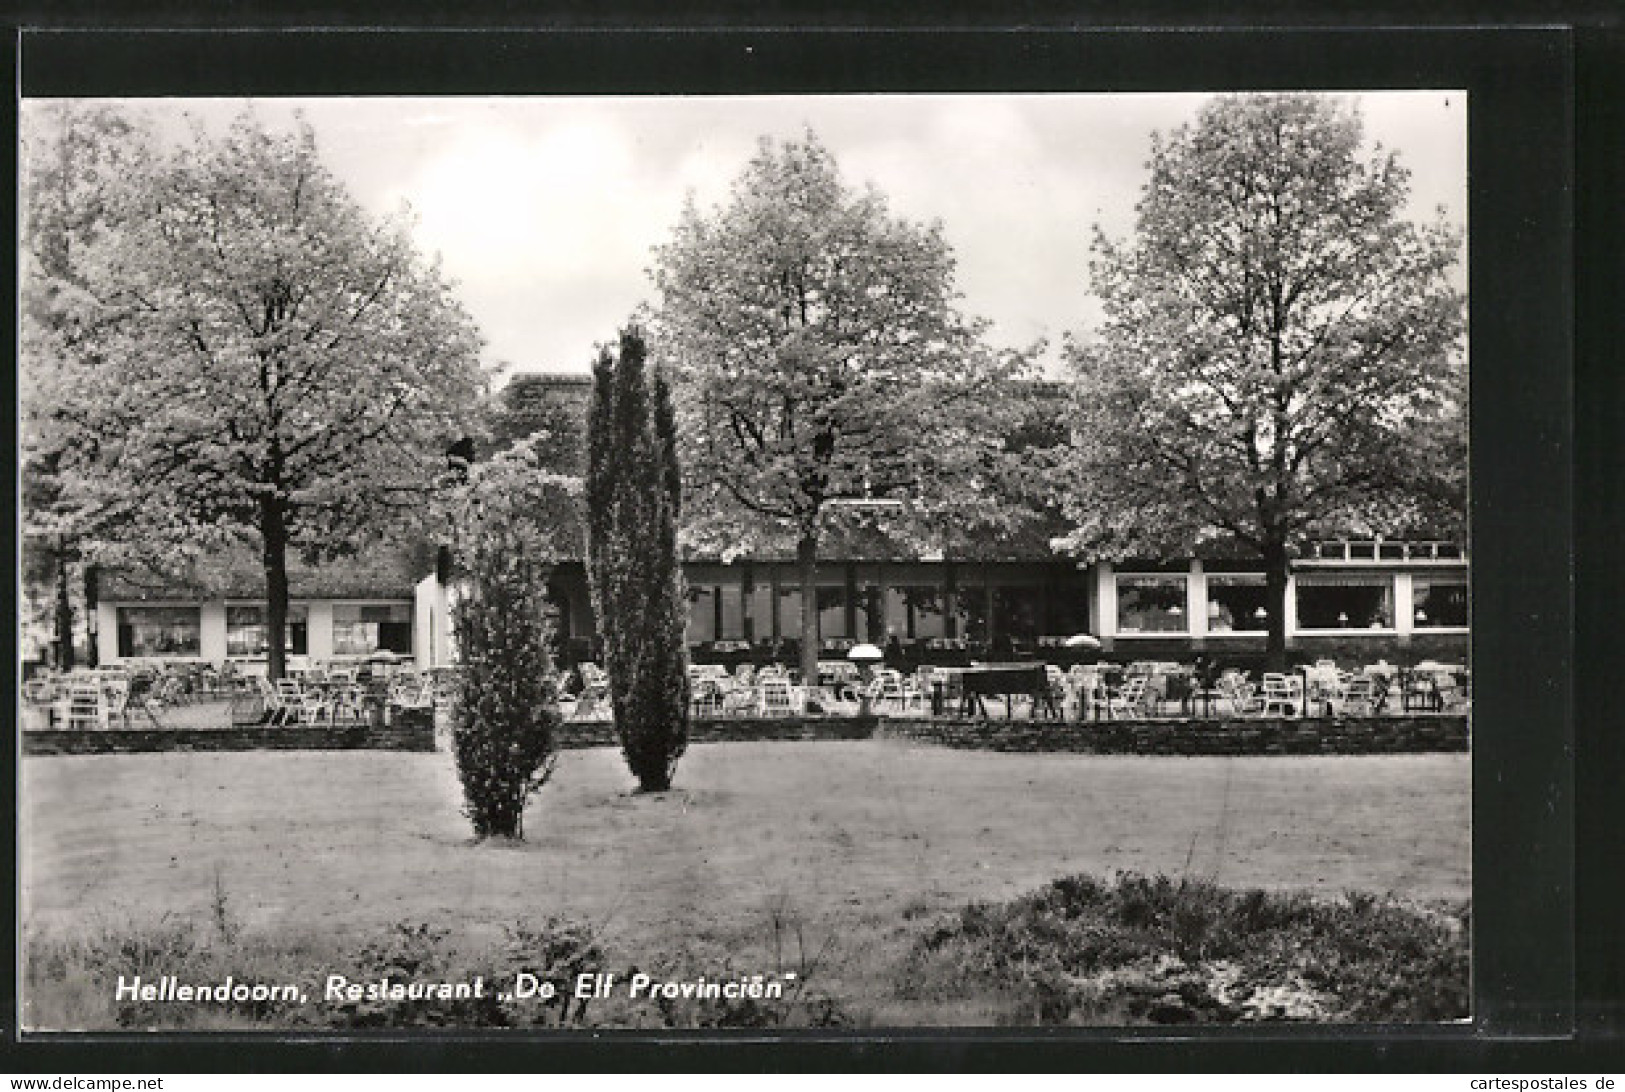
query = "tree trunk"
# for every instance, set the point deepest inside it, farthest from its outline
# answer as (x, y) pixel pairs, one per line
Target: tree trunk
(1275, 574)
(92, 598)
(64, 612)
(807, 561)
(274, 532)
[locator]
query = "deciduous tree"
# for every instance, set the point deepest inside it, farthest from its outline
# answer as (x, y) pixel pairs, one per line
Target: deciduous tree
(76, 160)
(270, 357)
(820, 356)
(1280, 351)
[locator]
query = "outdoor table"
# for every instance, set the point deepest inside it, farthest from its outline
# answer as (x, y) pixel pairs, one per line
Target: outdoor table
(1204, 694)
(978, 683)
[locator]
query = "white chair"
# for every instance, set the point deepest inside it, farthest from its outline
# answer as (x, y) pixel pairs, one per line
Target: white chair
(779, 699)
(1283, 694)
(1357, 695)
(87, 707)
(1242, 694)
(1128, 701)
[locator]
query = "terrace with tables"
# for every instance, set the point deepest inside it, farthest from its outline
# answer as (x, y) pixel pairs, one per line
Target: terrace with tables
(1034, 690)
(137, 695)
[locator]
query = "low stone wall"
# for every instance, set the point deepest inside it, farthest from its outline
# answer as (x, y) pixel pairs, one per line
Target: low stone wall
(580, 734)
(1219, 736)
(408, 730)
(413, 730)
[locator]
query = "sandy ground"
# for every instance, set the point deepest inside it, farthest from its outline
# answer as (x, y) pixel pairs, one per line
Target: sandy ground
(828, 833)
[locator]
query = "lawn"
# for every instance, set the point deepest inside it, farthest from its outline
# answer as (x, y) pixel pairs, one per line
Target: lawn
(849, 844)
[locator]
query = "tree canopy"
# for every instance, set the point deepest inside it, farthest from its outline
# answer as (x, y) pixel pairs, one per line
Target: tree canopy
(822, 359)
(268, 355)
(1280, 355)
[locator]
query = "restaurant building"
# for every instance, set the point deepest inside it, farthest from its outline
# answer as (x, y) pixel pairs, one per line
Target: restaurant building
(1357, 600)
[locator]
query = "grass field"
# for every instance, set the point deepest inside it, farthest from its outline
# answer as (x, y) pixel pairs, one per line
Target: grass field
(848, 845)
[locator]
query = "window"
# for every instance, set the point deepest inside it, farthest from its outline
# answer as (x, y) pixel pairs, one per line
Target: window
(832, 613)
(160, 631)
(790, 612)
(247, 631)
(1345, 602)
(1016, 612)
(971, 602)
(1439, 603)
(359, 629)
(1151, 604)
(915, 611)
(702, 613)
(1236, 604)
(761, 612)
(870, 617)
(731, 626)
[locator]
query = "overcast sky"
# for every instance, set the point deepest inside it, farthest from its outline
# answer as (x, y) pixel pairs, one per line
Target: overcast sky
(545, 209)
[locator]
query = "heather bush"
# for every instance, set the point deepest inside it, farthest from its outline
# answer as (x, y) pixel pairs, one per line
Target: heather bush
(1137, 950)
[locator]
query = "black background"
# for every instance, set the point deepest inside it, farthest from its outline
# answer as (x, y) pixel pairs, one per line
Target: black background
(1546, 95)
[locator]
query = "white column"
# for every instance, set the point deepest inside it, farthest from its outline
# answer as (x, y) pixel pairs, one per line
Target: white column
(106, 633)
(1404, 605)
(212, 632)
(1291, 627)
(1106, 600)
(1196, 600)
(319, 629)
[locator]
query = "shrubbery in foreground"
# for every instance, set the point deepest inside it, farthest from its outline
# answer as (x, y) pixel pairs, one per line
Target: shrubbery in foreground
(1142, 950)
(1130, 950)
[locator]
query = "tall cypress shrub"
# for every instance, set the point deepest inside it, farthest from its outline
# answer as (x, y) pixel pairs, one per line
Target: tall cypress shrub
(634, 495)
(506, 718)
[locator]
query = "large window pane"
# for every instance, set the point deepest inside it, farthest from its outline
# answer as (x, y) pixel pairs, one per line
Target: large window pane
(1345, 603)
(1439, 603)
(1069, 612)
(971, 601)
(832, 613)
(915, 611)
(1016, 612)
(360, 629)
(789, 612)
(761, 612)
(248, 633)
(1236, 604)
(733, 612)
(1151, 604)
(160, 631)
(702, 613)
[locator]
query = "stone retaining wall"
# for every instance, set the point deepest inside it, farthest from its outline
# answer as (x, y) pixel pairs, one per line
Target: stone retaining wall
(413, 730)
(408, 730)
(579, 734)
(1220, 736)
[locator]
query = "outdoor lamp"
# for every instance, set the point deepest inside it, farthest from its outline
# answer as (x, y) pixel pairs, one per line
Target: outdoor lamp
(1261, 614)
(865, 656)
(1421, 615)
(1342, 617)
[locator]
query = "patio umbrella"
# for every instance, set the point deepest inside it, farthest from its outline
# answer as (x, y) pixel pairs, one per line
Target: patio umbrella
(865, 654)
(1083, 640)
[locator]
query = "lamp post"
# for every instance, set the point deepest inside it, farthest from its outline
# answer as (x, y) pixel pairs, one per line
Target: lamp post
(865, 656)
(1082, 641)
